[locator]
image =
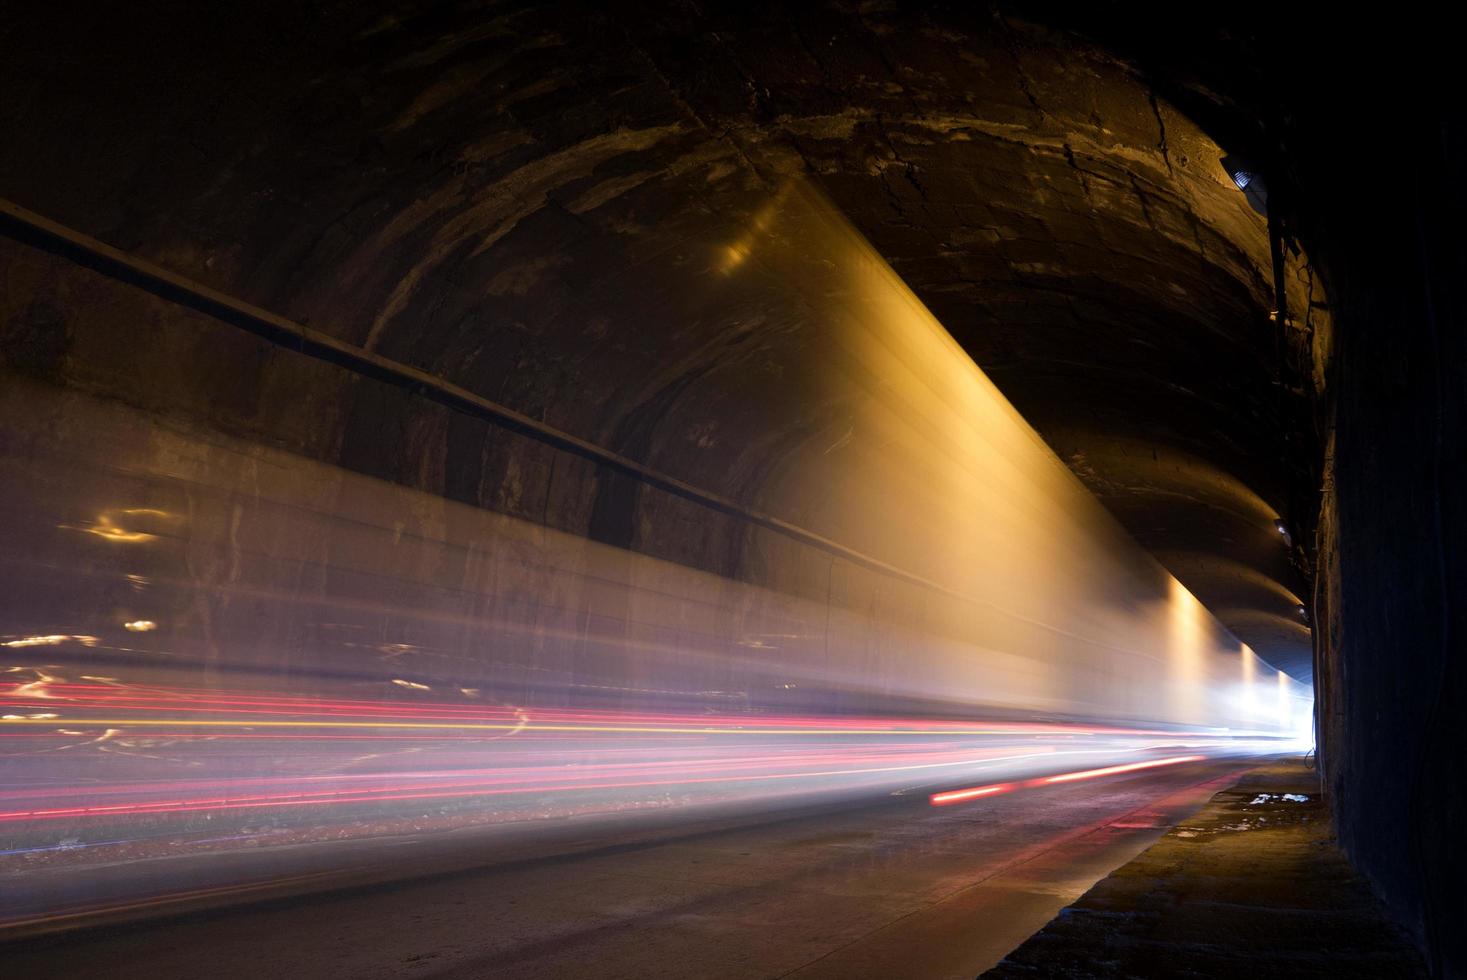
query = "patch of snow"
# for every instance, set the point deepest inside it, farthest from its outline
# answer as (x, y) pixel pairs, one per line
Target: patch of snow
(1286, 797)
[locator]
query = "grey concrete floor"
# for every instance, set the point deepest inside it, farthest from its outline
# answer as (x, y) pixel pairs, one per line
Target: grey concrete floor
(887, 888)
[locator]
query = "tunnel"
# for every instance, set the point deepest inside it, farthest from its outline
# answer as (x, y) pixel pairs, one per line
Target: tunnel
(489, 428)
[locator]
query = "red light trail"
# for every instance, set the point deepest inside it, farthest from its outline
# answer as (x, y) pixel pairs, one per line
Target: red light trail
(950, 797)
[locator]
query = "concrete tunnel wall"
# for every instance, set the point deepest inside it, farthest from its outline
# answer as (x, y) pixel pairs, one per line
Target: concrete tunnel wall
(502, 198)
(264, 571)
(986, 577)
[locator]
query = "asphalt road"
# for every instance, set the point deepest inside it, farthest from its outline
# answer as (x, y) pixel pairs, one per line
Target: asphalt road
(888, 887)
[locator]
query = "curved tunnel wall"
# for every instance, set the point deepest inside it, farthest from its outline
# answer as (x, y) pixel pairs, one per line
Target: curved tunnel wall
(974, 572)
(477, 190)
(257, 571)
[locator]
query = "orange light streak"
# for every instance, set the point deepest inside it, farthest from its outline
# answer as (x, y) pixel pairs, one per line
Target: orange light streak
(948, 797)
(1071, 777)
(959, 795)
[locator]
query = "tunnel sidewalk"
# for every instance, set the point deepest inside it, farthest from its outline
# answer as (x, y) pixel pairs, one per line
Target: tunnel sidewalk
(1252, 886)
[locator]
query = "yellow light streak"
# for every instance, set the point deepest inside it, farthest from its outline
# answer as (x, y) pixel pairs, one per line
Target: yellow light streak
(49, 640)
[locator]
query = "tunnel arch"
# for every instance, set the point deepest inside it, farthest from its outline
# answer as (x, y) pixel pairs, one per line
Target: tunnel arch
(499, 198)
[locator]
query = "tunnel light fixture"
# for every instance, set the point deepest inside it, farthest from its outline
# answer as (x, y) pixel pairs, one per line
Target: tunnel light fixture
(1283, 529)
(1249, 181)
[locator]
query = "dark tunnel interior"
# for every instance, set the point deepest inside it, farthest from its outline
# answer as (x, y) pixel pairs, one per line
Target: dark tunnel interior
(496, 219)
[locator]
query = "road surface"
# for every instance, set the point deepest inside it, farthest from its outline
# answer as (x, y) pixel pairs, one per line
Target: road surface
(887, 886)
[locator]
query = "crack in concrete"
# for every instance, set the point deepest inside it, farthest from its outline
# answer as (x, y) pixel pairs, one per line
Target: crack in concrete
(1161, 130)
(1011, 44)
(1141, 199)
(1080, 173)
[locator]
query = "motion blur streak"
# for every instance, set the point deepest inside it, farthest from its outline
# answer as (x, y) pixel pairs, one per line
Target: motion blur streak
(1070, 777)
(217, 646)
(961, 795)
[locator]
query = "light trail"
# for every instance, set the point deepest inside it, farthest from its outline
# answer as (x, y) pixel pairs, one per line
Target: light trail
(555, 752)
(454, 790)
(478, 726)
(194, 699)
(360, 714)
(532, 727)
(618, 756)
(960, 795)
(1112, 770)
(773, 757)
(949, 797)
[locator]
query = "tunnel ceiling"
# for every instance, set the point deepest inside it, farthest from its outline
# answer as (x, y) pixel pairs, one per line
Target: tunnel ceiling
(473, 188)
